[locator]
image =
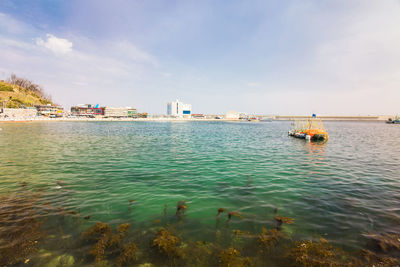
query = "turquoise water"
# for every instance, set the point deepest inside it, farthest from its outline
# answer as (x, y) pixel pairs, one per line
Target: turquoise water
(340, 190)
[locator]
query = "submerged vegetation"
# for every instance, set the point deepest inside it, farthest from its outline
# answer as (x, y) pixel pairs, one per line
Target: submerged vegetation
(317, 253)
(167, 243)
(20, 231)
(108, 243)
(28, 235)
(180, 208)
(231, 257)
(269, 239)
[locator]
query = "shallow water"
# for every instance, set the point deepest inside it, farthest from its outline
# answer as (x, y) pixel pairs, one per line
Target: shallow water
(340, 190)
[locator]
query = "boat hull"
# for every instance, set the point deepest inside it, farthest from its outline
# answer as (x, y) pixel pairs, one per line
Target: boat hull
(314, 138)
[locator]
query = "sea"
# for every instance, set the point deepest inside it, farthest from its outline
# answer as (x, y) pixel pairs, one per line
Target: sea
(214, 185)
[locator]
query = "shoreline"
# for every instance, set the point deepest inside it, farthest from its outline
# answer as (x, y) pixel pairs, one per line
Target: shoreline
(109, 119)
(277, 118)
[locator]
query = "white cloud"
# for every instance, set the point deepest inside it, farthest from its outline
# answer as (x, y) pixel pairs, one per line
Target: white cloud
(56, 45)
(89, 71)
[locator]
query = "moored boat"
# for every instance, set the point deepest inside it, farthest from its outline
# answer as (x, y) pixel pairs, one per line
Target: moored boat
(396, 120)
(310, 129)
(253, 119)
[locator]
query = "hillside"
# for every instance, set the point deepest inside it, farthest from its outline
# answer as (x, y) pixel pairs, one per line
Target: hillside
(17, 96)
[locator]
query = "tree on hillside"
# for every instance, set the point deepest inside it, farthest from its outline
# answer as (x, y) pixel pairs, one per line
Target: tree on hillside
(28, 85)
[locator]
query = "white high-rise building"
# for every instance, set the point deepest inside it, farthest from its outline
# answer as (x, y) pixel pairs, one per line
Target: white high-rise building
(179, 109)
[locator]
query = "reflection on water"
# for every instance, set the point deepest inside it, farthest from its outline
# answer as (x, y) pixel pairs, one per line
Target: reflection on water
(316, 149)
(200, 194)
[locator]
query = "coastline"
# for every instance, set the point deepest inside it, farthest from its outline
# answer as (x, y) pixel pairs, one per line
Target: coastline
(107, 119)
(274, 118)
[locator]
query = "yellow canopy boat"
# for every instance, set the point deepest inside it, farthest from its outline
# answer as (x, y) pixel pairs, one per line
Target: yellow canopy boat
(310, 129)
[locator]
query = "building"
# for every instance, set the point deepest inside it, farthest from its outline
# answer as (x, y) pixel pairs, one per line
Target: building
(198, 116)
(179, 109)
(49, 110)
(143, 115)
(232, 115)
(119, 112)
(87, 110)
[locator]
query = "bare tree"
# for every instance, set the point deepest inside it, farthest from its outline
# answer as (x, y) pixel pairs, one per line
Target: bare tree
(28, 85)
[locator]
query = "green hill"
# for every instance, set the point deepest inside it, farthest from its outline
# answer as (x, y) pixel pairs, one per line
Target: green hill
(15, 96)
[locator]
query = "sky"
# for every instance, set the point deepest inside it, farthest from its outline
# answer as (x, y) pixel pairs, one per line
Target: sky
(287, 57)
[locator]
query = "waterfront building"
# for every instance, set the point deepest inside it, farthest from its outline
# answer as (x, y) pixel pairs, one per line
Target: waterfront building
(232, 115)
(179, 109)
(213, 116)
(87, 110)
(120, 112)
(49, 110)
(198, 116)
(143, 115)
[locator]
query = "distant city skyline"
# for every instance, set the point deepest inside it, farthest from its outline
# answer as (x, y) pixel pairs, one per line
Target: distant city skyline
(260, 57)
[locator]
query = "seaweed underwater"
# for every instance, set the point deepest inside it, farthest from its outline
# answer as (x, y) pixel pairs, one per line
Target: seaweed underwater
(20, 228)
(164, 242)
(109, 244)
(167, 243)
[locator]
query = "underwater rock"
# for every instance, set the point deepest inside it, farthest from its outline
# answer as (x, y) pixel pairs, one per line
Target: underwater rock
(44, 253)
(61, 261)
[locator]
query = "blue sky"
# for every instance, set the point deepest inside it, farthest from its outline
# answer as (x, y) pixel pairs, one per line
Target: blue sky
(270, 57)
